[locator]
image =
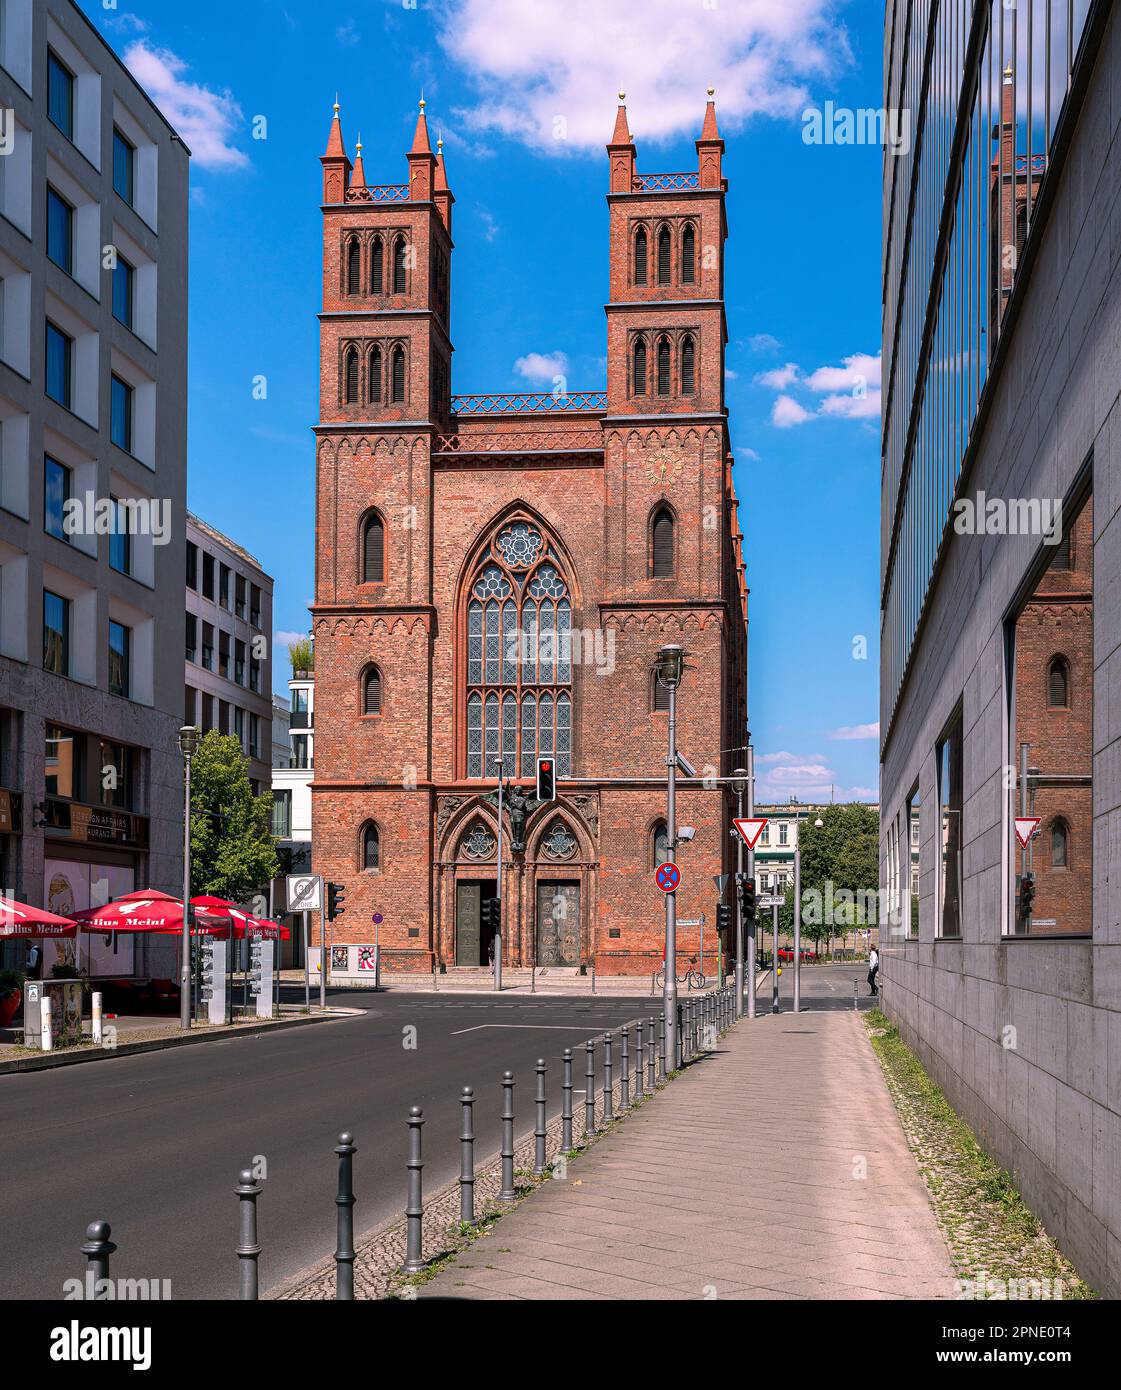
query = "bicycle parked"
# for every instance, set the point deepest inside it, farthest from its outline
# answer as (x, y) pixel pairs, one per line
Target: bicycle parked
(693, 977)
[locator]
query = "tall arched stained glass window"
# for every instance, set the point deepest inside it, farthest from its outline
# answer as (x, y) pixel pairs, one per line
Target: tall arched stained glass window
(519, 656)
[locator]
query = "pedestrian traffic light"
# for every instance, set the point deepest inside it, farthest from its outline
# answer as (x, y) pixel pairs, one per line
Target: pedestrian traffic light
(723, 917)
(336, 893)
(546, 779)
(1027, 898)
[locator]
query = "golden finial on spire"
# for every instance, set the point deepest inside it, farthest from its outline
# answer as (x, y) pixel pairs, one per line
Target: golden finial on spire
(711, 93)
(622, 97)
(1008, 73)
(336, 103)
(422, 101)
(439, 144)
(359, 142)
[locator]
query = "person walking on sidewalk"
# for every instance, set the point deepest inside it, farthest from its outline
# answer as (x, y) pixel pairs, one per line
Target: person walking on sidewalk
(873, 971)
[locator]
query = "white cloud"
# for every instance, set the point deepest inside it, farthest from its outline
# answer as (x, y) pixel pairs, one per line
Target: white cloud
(542, 367)
(859, 370)
(864, 406)
(347, 34)
(746, 453)
(778, 378)
(208, 121)
(490, 226)
(857, 731)
(786, 412)
(281, 641)
(730, 375)
(763, 342)
(547, 72)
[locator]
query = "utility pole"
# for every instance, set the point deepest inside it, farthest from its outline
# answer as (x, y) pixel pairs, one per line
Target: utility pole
(739, 784)
(498, 928)
(671, 659)
(797, 925)
(751, 874)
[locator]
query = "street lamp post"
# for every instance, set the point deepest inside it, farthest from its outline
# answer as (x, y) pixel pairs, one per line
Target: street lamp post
(498, 926)
(671, 659)
(739, 785)
(188, 746)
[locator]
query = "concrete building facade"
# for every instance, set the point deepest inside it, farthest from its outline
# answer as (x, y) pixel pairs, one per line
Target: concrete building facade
(93, 363)
(1001, 630)
(229, 646)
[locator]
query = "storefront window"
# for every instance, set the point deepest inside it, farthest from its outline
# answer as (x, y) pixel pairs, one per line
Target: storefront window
(117, 766)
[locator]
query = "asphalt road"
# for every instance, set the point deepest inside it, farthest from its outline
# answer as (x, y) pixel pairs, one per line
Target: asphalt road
(154, 1143)
(822, 987)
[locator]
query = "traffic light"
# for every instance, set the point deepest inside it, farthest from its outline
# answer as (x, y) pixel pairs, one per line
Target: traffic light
(745, 888)
(1027, 899)
(336, 893)
(491, 915)
(546, 779)
(723, 917)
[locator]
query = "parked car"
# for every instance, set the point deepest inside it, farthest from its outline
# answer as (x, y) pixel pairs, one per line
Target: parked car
(787, 953)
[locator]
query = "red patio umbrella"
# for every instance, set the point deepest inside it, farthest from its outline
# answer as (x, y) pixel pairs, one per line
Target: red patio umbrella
(18, 919)
(219, 912)
(136, 912)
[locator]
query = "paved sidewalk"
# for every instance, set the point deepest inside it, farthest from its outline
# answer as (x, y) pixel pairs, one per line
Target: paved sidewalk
(739, 1180)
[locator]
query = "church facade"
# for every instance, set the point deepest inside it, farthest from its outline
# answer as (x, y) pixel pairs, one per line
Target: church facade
(495, 576)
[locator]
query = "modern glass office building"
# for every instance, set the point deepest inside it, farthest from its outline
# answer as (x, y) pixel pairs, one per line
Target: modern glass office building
(1001, 478)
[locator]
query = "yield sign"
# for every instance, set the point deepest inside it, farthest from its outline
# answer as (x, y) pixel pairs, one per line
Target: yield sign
(750, 829)
(1026, 826)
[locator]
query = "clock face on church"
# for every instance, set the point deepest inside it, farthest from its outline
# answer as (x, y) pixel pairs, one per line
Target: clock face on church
(663, 466)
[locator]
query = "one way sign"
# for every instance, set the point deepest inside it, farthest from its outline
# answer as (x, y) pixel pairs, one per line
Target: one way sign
(750, 829)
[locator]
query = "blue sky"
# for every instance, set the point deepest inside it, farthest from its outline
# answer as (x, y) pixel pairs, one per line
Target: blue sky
(525, 96)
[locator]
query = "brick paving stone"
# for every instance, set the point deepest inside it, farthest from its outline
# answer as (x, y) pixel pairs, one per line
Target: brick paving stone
(774, 1168)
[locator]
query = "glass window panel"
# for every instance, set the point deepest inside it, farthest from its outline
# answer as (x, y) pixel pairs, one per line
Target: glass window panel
(60, 95)
(547, 641)
(475, 736)
(124, 160)
(529, 736)
(493, 644)
(56, 493)
(120, 414)
(564, 643)
(545, 726)
(509, 643)
(60, 231)
(475, 643)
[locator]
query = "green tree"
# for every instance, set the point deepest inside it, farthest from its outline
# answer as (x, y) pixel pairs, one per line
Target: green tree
(233, 853)
(843, 852)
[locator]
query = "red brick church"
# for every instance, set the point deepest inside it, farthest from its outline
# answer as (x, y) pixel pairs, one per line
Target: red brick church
(495, 575)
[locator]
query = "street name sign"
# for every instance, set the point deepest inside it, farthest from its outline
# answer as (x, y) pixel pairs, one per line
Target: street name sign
(750, 828)
(769, 900)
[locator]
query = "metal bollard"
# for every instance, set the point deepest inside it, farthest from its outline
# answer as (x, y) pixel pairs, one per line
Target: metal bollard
(540, 1133)
(638, 1062)
(566, 1103)
(662, 1045)
(507, 1193)
(344, 1220)
(855, 985)
(248, 1251)
(414, 1197)
(608, 1087)
(652, 1055)
(467, 1158)
(590, 1089)
(97, 1249)
(96, 1019)
(625, 1076)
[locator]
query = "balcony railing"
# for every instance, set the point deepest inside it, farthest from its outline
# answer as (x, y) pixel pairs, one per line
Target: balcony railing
(379, 193)
(522, 403)
(664, 183)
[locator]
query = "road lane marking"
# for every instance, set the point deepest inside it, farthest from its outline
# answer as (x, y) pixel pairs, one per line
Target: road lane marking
(533, 1027)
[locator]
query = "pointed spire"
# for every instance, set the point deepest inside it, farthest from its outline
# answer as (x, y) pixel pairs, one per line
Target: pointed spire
(710, 148)
(358, 176)
(335, 147)
(622, 134)
(420, 138)
(710, 132)
(440, 182)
